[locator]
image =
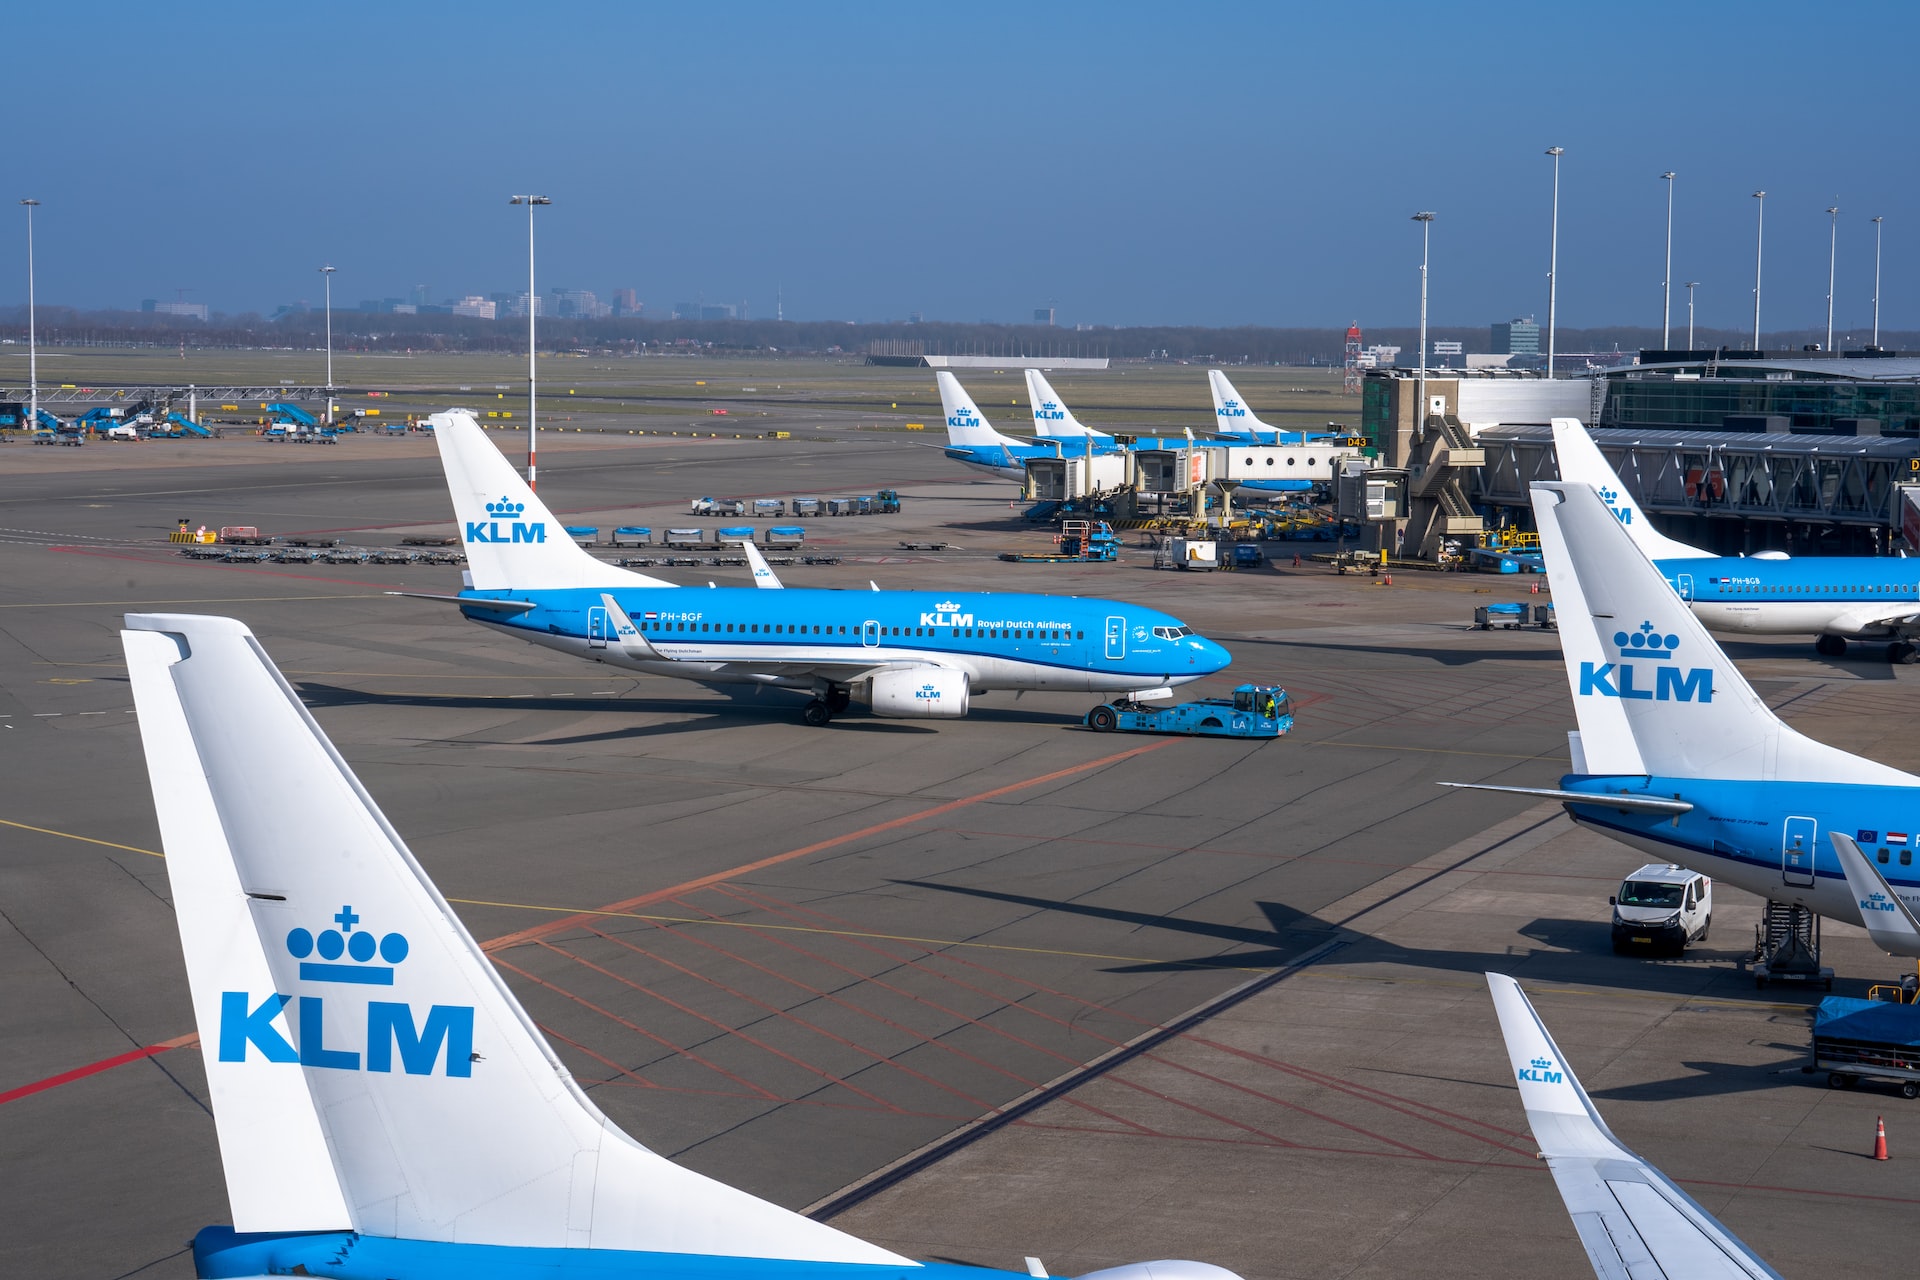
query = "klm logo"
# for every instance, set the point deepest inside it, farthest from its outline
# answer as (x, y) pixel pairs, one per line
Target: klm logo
(946, 614)
(1644, 671)
(1621, 511)
(1877, 901)
(352, 959)
(504, 525)
(927, 694)
(1049, 412)
(964, 419)
(1540, 1071)
(1231, 409)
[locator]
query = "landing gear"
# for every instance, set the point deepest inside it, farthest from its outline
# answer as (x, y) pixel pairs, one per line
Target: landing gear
(1830, 646)
(1902, 654)
(829, 700)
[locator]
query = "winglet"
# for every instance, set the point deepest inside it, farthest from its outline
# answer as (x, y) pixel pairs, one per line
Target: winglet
(763, 575)
(632, 642)
(1631, 1219)
(1889, 920)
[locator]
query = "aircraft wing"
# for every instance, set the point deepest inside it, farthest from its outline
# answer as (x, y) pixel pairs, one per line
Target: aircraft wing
(1889, 920)
(472, 602)
(1634, 1223)
(1894, 613)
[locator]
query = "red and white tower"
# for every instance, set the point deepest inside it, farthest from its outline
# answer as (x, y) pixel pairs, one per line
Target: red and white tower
(1350, 385)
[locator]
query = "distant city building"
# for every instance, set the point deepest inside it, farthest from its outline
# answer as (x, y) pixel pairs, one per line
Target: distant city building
(514, 306)
(1516, 337)
(578, 304)
(1043, 315)
(626, 302)
(421, 295)
(191, 310)
(475, 305)
(403, 309)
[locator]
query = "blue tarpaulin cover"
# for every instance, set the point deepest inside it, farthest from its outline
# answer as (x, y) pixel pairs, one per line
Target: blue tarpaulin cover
(1875, 1021)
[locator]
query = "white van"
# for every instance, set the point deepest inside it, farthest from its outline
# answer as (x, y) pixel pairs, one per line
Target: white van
(1662, 905)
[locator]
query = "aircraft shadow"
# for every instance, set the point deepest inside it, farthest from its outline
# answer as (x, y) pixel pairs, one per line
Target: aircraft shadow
(1708, 1079)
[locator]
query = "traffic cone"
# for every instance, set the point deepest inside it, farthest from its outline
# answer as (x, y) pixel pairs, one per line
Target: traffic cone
(1879, 1138)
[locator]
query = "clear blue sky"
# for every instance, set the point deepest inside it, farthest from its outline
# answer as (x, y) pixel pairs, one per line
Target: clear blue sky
(1137, 163)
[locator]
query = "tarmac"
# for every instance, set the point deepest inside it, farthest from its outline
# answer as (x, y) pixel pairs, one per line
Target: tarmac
(823, 964)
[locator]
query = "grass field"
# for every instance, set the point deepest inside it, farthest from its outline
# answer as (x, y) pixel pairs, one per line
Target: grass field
(599, 392)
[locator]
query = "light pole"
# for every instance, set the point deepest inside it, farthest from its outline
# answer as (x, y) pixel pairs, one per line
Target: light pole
(1691, 284)
(533, 372)
(1833, 243)
(1553, 256)
(1876, 283)
(1666, 286)
(1425, 219)
(1759, 239)
(326, 274)
(33, 348)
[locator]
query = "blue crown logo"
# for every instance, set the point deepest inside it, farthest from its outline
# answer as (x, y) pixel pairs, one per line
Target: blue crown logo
(361, 948)
(1646, 640)
(1542, 1063)
(927, 691)
(1608, 496)
(505, 509)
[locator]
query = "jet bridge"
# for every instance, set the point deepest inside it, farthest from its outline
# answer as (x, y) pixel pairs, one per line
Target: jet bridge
(1733, 490)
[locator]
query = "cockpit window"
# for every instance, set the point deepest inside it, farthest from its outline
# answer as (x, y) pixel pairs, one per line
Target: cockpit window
(1646, 893)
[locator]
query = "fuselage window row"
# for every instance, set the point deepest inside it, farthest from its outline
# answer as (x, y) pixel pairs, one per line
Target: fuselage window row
(956, 633)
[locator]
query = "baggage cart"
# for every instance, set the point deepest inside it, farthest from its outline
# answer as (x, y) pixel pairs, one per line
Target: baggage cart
(1855, 1040)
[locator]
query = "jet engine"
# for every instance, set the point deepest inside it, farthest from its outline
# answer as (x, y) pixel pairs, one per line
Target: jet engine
(921, 693)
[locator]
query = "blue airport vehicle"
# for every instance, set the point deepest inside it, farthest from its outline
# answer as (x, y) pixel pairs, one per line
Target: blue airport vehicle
(293, 413)
(1254, 711)
(47, 421)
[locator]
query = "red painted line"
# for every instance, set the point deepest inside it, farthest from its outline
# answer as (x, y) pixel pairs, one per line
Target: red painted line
(733, 873)
(95, 1068)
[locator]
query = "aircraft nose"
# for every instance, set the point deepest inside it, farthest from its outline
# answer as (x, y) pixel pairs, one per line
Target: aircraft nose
(1213, 657)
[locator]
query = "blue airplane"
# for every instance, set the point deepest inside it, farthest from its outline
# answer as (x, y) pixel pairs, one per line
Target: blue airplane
(1837, 598)
(914, 654)
(1677, 756)
(1289, 451)
(386, 1109)
(974, 441)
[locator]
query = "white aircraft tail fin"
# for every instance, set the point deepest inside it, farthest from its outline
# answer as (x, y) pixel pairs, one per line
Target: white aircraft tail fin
(1889, 920)
(1581, 462)
(1230, 412)
(369, 1069)
(1653, 693)
(1632, 1220)
(1051, 417)
(512, 541)
(967, 427)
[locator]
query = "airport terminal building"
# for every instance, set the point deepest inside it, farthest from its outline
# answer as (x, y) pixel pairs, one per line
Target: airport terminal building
(1737, 455)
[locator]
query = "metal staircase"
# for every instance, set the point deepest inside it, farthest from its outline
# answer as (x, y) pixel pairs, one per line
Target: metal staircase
(1786, 946)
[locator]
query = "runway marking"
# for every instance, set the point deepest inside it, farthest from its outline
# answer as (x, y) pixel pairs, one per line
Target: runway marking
(95, 1068)
(733, 873)
(68, 835)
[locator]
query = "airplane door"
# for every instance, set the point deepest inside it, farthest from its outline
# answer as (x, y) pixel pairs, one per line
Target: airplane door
(1796, 851)
(1683, 583)
(599, 627)
(870, 634)
(1116, 638)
